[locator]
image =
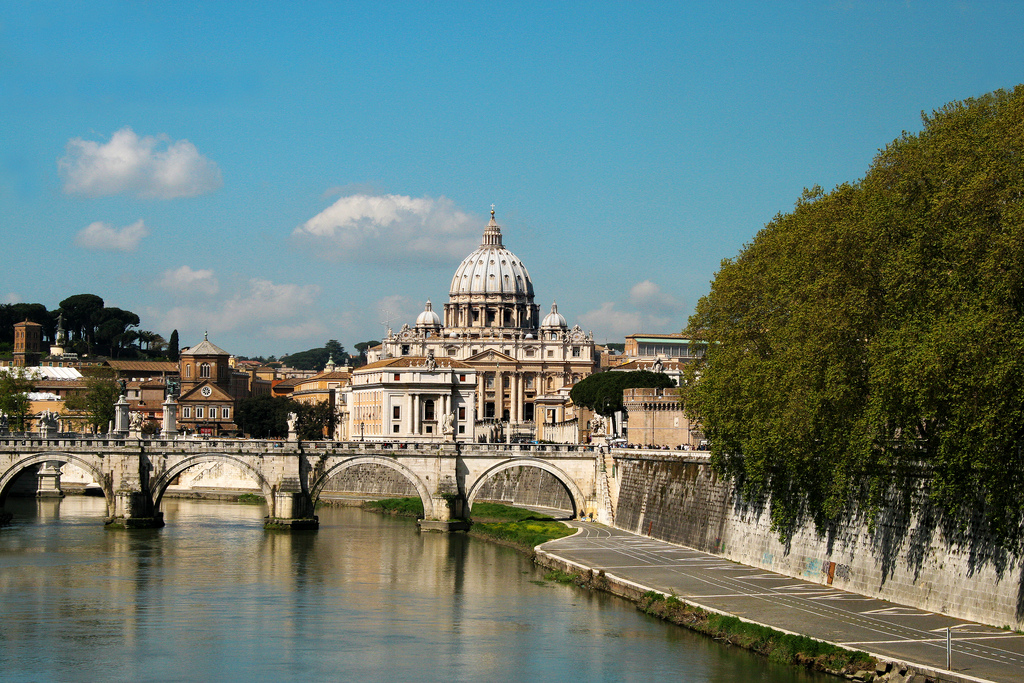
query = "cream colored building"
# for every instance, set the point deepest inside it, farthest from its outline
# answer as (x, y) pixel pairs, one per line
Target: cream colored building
(412, 398)
(492, 326)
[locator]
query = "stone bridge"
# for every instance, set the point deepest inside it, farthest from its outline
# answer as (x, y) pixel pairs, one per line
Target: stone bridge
(135, 473)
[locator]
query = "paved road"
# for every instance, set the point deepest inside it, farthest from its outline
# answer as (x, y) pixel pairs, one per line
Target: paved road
(883, 628)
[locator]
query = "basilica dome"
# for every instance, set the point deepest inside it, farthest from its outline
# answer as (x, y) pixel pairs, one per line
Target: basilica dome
(492, 269)
(554, 318)
(428, 318)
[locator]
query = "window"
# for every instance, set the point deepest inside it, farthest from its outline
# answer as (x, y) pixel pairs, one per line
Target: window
(394, 429)
(462, 412)
(396, 412)
(462, 429)
(213, 412)
(225, 412)
(462, 378)
(489, 382)
(199, 412)
(398, 376)
(188, 371)
(204, 370)
(428, 410)
(405, 349)
(529, 382)
(551, 353)
(186, 412)
(575, 352)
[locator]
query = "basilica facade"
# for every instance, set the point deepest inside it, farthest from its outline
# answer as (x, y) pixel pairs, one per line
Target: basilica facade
(521, 361)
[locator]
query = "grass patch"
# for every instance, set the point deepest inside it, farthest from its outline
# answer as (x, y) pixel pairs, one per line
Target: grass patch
(521, 534)
(495, 512)
(251, 499)
(400, 507)
(779, 647)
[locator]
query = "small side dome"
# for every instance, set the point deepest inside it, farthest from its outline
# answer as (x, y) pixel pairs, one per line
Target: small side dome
(428, 318)
(554, 318)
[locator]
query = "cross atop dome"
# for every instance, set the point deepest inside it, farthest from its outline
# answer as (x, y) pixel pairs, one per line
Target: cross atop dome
(492, 233)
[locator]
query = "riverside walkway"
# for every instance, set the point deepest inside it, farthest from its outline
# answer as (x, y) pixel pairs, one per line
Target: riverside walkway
(884, 629)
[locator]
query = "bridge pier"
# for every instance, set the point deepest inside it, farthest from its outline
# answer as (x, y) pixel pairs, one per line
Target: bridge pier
(290, 511)
(450, 512)
(134, 510)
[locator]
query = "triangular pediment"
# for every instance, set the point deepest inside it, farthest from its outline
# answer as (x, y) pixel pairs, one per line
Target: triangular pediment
(490, 356)
(195, 394)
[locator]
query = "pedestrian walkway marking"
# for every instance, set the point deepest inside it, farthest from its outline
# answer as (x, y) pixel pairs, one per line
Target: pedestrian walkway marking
(900, 612)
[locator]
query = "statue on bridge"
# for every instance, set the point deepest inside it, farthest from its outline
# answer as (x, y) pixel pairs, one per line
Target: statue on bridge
(135, 419)
(448, 425)
(293, 422)
(48, 422)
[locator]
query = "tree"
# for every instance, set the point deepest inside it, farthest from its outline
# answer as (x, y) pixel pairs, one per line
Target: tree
(602, 391)
(315, 420)
(316, 359)
(362, 348)
(880, 327)
(80, 314)
(95, 405)
(172, 347)
(265, 416)
(15, 385)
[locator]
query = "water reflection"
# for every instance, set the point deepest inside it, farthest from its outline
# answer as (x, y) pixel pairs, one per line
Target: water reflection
(214, 596)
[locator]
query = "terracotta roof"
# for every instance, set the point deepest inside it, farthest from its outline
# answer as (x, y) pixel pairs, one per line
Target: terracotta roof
(337, 374)
(144, 365)
(205, 348)
(413, 362)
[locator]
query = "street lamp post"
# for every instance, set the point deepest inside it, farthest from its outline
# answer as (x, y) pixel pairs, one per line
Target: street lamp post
(361, 432)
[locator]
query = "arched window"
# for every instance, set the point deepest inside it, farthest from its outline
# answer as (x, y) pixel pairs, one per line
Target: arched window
(204, 370)
(188, 371)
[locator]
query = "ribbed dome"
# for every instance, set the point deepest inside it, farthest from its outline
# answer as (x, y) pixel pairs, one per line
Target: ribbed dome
(554, 318)
(428, 318)
(492, 269)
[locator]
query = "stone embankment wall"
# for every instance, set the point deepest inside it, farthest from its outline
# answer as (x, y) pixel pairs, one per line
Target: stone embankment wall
(908, 557)
(526, 486)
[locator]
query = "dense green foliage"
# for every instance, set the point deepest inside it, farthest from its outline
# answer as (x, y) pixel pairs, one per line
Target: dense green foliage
(879, 327)
(602, 391)
(15, 385)
(263, 417)
(96, 403)
(316, 359)
(173, 352)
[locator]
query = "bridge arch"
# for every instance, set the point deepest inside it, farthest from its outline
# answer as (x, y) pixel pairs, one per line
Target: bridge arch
(158, 485)
(578, 499)
(90, 466)
(321, 482)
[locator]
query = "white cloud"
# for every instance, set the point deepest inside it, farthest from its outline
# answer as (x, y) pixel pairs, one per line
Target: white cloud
(151, 167)
(388, 228)
(648, 309)
(648, 297)
(263, 309)
(99, 236)
(12, 298)
(184, 281)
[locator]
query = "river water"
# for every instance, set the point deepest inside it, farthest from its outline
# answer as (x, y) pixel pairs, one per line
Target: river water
(212, 596)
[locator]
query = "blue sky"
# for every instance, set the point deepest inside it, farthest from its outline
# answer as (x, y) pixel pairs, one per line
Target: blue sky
(283, 174)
